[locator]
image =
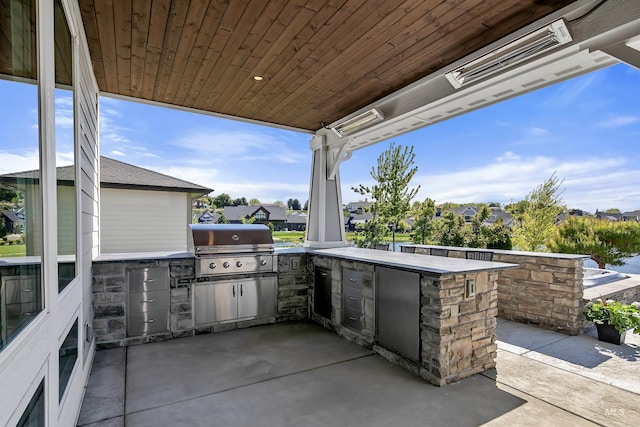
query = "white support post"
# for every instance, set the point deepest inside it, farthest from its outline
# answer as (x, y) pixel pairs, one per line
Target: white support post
(325, 225)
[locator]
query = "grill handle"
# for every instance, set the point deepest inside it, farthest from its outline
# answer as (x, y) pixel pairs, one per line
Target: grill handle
(240, 289)
(233, 288)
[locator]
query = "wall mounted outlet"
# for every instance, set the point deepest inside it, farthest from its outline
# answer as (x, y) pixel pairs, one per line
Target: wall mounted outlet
(295, 264)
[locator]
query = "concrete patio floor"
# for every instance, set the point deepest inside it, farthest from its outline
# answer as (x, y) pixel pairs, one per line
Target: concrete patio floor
(298, 374)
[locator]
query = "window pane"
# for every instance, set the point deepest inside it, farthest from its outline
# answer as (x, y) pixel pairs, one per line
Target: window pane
(65, 150)
(67, 356)
(33, 415)
(20, 196)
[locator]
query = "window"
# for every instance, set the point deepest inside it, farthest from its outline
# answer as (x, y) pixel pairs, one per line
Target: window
(260, 216)
(67, 356)
(33, 415)
(20, 195)
(65, 149)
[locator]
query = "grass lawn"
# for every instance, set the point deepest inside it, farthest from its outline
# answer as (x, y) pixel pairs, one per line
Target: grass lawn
(13, 250)
(298, 236)
(288, 236)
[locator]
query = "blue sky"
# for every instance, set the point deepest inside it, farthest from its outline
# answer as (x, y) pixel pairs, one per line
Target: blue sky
(586, 129)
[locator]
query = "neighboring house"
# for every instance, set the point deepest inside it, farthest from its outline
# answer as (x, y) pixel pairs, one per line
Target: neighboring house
(11, 221)
(140, 210)
(609, 216)
(631, 216)
(356, 221)
(496, 214)
(199, 204)
(207, 218)
(263, 214)
(468, 212)
(296, 222)
(359, 206)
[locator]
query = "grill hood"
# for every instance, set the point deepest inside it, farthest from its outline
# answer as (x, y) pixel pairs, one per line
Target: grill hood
(229, 238)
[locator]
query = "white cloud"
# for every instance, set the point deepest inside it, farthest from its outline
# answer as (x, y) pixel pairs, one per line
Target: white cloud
(28, 160)
(617, 121)
(589, 183)
(508, 156)
(265, 191)
(239, 145)
(118, 153)
(537, 131)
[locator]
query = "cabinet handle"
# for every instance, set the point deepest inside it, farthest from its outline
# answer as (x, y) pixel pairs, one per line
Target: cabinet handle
(147, 300)
(149, 321)
(352, 279)
(241, 290)
(233, 288)
(352, 298)
(27, 290)
(352, 318)
(149, 280)
(323, 274)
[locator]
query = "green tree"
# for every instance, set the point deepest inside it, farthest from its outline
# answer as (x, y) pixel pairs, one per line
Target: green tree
(477, 237)
(403, 226)
(497, 235)
(374, 232)
(254, 202)
(538, 220)
(240, 201)
(612, 211)
(222, 219)
(223, 200)
(293, 204)
(423, 213)
(605, 242)
(248, 219)
(3, 228)
(517, 209)
(450, 230)
(7, 195)
(391, 193)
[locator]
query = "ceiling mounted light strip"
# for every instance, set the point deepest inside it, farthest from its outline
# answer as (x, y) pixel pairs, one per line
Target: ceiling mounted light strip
(535, 43)
(359, 122)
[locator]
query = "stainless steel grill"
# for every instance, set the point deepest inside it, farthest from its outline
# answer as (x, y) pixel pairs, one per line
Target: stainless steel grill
(226, 249)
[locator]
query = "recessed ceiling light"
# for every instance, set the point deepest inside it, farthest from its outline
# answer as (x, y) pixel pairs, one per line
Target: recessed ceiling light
(258, 78)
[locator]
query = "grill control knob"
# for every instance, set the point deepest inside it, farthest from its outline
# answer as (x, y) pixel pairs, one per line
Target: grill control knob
(263, 262)
(212, 265)
(225, 264)
(238, 263)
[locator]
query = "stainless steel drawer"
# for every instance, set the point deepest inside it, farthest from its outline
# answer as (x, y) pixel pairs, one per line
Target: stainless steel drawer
(148, 279)
(352, 318)
(353, 277)
(151, 322)
(352, 296)
(140, 302)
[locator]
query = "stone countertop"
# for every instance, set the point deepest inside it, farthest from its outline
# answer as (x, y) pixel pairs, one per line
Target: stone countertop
(417, 262)
(504, 252)
(142, 256)
(33, 260)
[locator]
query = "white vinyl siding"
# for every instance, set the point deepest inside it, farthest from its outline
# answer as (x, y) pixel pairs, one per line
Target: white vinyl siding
(66, 220)
(143, 221)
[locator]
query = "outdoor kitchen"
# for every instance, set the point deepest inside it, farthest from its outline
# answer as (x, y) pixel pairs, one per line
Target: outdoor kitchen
(435, 316)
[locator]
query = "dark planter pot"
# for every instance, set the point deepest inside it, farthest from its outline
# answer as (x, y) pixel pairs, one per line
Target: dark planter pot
(608, 333)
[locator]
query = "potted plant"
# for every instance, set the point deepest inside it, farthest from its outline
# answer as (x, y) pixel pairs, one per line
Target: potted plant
(613, 319)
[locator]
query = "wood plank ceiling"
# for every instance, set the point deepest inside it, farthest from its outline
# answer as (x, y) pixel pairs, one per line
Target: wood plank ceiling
(320, 59)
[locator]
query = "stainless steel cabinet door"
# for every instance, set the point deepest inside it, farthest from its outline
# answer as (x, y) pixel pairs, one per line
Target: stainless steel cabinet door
(217, 302)
(398, 311)
(257, 297)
